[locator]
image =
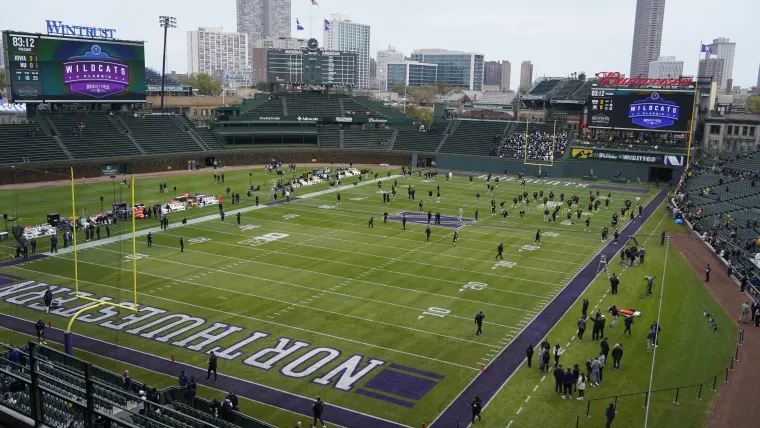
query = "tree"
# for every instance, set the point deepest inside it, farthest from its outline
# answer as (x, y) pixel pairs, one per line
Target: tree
(419, 114)
(753, 103)
(207, 85)
(262, 86)
(2, 79)
(399, 88)
(423, 94)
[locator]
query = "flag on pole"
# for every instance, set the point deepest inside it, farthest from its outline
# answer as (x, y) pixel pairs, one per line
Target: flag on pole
(706, 48)
(327, 25)
(299, 27)
(314, 3)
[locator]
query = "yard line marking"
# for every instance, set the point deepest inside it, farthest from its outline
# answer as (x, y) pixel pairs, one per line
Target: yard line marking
(526, 400)
(318, 309)
(319, 333)
(356, 297)
(542, 379)
(519, 410)
(568, 344)
(535, 388)
(509, 424)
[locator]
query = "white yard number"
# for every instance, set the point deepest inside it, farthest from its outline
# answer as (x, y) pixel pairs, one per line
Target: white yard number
(137, 256)
(504, 263)
(475, 286)
(289, 216)
(530, 248)
(198, 240)
(361, 199)
(249, 227)
(326, 207)
(263, 239)
(566, 222)
(436, 312)
(552, 234)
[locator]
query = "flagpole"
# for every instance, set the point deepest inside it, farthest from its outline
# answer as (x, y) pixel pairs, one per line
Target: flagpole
(311, 23)
(693, 109)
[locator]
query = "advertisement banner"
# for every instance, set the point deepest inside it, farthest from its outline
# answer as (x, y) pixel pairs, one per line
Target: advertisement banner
(112, 169)
(640, 109)
(625, 156)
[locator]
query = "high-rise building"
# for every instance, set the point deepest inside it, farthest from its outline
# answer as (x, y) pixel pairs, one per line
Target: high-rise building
(647, 35)
(712, 67)
(211, 49)
(506, 76)
(259, 53)
(372, 68)
(492, 73)
(2, 57)
(383, 58)
(342, 34)
(758, 77)
(664, 67)
(724, 49)
(410, 73)
(526, 75)
(458, 69)
(263, 18)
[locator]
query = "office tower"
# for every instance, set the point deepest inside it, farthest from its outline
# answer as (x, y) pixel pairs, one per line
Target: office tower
(506, 76)
(526, 75)
(647, 35)
(211, 49)
(263, 18)
(462, 70)
(342, 34)
(410, 73)
(383, 58)
(712, 67)
(664, 67)
(724, 49)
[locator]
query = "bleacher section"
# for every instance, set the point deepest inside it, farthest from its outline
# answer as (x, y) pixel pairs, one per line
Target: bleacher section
(312, 105)
(367, 139)
(541, 88)
(100, 137)
(390, 112)
(161, 134)
(497, 98)
(266, 108)
(210, 138)
(474, 137)
(566, 89)
(329, 137)
(16, 145)
(412, 140)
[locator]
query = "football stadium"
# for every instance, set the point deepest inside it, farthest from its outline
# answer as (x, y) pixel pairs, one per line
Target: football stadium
(310, 254)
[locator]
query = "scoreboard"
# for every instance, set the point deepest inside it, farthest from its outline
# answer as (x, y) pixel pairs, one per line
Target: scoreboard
(311, 66)
(640, 109)
(68, 69)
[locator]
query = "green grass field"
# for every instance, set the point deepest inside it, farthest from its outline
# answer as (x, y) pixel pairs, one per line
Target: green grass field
(312, 280)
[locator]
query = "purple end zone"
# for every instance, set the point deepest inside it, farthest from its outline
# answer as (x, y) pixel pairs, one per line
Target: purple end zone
(243, 388)
(281, 201)
(384, 398)
(416, 371)
(19, 261)
(401, 384)
(488, 382)
(8, 279)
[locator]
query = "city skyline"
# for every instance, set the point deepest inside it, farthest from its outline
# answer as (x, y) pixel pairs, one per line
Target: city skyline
(484, 31)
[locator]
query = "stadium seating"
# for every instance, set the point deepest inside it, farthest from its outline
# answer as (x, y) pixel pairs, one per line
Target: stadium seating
(262, 106)
(161, 134)
(367, 139)
(541, 88)
(329, 137)
(205, 134)
(474, 137)
(101, 138)
(411, 139)
(378, 107)
(311, 105)
(16, 145)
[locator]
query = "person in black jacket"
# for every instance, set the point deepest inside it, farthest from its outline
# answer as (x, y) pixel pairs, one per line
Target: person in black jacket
(614, 282)
(559, 376)
(529, 354)
(628, 320)
(605, 348)
(617, 355)
(318, 408)
(610, 414)
(584, 310)
(211, 366)
(479, 321)
(48, 299)
(233, 399)
(476, 406)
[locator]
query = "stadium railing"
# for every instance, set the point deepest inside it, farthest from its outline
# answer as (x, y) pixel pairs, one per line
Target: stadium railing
(55, 389)
(596, 407)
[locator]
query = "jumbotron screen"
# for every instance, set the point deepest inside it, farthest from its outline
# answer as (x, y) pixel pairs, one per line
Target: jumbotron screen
(67, 69)
(640, 109)
(311, 66)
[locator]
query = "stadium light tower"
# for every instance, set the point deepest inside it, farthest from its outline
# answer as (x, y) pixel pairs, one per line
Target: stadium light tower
(166, 22)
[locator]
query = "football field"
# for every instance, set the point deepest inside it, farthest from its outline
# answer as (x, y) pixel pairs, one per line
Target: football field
(304, 298)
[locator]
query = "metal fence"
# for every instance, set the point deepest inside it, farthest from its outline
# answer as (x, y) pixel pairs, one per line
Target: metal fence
(679, 395)
(60, 391)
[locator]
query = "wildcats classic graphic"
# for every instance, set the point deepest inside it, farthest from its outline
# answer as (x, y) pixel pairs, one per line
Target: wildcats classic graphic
(654, 112)
(95, 74)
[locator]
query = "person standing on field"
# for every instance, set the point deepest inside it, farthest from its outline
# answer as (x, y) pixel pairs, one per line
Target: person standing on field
(529, 354)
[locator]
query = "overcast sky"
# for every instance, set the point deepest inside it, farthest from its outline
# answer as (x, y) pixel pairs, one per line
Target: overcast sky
(558, 36)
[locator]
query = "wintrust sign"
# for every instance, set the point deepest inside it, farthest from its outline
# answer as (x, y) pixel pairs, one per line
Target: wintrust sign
(613, 78)
(61, 29)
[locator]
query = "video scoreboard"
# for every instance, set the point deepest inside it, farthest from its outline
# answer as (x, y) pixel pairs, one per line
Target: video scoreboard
(43, 68)
(311, 66)
(640, 109)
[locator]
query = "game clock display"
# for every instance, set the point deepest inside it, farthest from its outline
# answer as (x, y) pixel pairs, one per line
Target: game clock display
(69, 69)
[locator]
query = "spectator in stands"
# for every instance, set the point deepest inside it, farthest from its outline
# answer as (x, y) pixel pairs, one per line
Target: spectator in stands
(190, 391)
(233, 399)
(183, 379)
(126, 381)
(214, 408)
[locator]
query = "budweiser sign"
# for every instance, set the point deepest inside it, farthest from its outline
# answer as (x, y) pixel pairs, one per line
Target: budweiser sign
(613, 78)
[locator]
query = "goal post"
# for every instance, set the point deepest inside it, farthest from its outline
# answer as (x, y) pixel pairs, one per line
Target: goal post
(97, 303)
